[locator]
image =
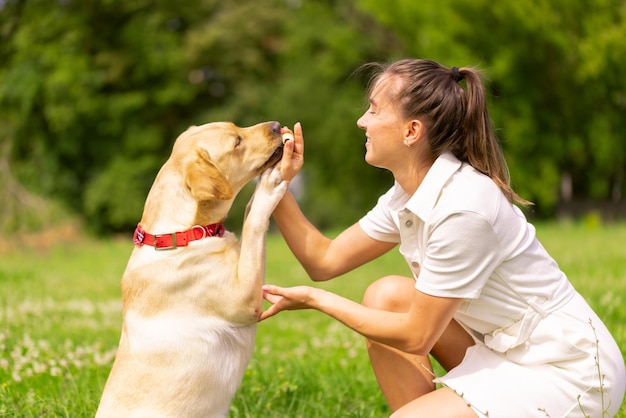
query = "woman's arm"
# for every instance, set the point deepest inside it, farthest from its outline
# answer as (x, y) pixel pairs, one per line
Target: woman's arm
(415, 331)
(322, 258)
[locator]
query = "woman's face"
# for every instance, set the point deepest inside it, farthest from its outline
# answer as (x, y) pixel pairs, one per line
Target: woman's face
(383, 127)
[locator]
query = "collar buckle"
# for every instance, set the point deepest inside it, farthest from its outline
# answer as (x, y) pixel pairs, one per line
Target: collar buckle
(158, 245)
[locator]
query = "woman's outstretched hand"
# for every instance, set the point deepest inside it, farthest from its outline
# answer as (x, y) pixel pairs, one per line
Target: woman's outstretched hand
(286, 299)
(293, 153)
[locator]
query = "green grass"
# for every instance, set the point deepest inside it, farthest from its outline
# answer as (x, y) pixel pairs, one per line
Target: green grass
(60, 318)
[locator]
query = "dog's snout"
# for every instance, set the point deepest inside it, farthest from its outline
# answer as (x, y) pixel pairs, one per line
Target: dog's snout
(276, 128)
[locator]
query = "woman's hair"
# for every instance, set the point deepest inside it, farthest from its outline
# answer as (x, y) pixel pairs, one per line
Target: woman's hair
(456, 119)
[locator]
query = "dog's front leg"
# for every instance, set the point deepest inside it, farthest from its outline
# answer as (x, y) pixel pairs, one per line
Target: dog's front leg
(251, 269)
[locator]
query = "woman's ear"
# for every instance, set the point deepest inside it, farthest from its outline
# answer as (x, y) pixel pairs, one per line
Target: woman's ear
(413, 132)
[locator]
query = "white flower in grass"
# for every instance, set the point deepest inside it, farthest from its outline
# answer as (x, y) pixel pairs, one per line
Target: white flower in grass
(39, 367)
(43, 345)
(28, 341)
(30, 396)
(301, 351)
(105, 358)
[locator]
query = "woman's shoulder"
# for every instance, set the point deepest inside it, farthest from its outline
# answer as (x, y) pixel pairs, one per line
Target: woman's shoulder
(469, 190)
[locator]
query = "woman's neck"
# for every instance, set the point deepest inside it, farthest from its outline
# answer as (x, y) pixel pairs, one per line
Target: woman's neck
(412, 174)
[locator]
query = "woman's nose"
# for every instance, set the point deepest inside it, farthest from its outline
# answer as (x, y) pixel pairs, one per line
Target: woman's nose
(360, 122)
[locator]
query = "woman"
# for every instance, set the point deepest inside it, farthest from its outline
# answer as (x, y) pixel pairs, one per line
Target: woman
(486, 300)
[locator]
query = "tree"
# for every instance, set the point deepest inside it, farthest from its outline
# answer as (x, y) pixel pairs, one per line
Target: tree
(95, 92)
(555, 72)
(82, 87)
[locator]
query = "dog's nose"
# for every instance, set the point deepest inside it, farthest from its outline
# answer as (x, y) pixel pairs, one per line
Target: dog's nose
(276, 128)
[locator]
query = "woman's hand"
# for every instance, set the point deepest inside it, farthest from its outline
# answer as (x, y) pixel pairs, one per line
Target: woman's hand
(293, 153)
(286, 299)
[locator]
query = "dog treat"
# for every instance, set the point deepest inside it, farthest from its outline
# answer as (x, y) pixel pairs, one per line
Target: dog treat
(287, 136)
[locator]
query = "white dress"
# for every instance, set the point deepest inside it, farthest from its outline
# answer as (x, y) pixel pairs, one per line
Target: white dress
(540, 349)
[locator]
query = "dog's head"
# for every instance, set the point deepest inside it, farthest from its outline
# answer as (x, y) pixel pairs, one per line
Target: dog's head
(218, 159)
(208, 166)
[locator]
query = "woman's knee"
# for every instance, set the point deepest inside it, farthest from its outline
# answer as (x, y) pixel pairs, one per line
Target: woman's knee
(390, 293)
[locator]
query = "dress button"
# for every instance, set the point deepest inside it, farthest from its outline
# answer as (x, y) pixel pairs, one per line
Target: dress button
(409, 223)
(415, 264)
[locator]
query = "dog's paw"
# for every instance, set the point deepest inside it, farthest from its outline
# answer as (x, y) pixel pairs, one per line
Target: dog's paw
(272, 182)
(272, 177)
(270, 189)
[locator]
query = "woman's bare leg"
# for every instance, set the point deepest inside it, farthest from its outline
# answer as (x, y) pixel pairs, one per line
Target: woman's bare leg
(400, 375)
(404, 377)
(440, 403)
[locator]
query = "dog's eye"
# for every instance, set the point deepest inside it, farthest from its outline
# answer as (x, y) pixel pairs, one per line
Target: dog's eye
(238, 140)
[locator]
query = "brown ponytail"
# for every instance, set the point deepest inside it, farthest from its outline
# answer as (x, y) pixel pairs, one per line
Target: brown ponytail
(456, 119)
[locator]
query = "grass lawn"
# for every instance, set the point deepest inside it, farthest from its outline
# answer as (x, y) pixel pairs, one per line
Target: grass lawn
(60, 318)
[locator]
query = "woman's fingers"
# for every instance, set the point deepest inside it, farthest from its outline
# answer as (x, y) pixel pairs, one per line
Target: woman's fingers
(293, 152)
(286, 170)
(285, 298)
(298, 140)
(269, 312)
(269, 296)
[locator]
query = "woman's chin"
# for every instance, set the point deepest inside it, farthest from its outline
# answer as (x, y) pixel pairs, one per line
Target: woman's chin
(371, 161)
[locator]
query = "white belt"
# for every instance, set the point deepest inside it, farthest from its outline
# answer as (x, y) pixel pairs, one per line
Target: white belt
(504, 339)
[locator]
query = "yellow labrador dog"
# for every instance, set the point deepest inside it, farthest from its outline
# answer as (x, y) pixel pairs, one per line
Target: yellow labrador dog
(191, 293)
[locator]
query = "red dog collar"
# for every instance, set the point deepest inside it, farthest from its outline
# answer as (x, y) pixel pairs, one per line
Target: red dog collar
(174, 240)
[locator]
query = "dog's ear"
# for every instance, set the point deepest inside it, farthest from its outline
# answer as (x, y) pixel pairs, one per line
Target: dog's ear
(205, 180)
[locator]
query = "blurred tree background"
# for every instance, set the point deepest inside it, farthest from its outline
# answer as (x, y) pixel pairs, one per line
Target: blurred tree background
(94, 92)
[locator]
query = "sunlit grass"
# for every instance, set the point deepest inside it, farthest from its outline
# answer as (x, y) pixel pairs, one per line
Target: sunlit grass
(60, 319)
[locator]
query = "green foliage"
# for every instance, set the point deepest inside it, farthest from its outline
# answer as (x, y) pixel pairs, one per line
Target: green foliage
(93, 93)
(118, 184)
(554, 68)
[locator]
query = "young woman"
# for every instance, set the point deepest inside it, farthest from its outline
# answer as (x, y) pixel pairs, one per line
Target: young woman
(485, 299)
